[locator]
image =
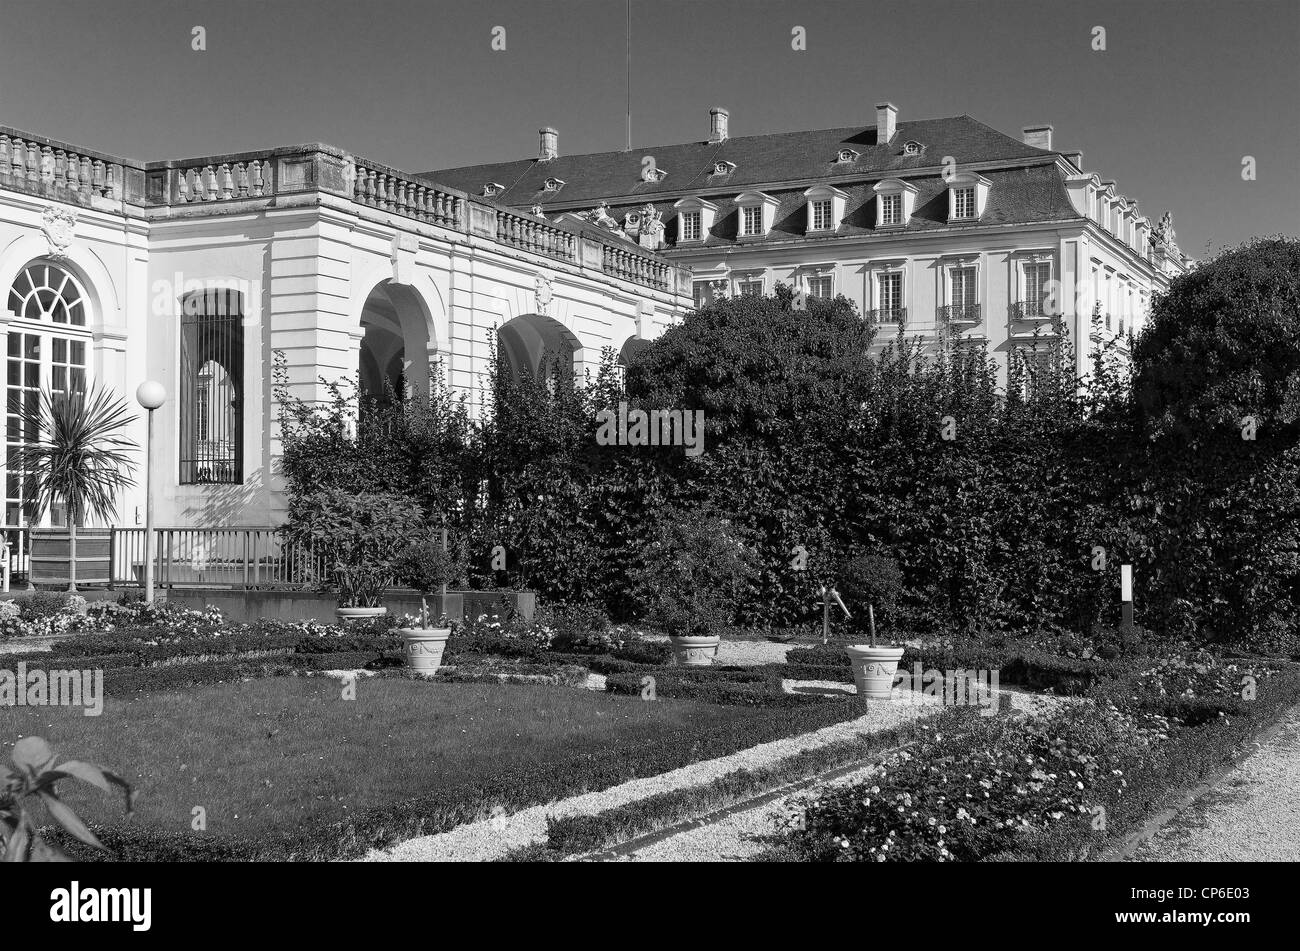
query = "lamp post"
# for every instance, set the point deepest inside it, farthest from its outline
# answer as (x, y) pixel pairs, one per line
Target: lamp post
(150, 395)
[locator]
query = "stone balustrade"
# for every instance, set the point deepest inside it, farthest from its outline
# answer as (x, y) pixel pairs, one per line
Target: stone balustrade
(53, 169)
(243, 181)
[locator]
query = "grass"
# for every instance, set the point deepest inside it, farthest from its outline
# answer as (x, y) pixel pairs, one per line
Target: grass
(289, 751)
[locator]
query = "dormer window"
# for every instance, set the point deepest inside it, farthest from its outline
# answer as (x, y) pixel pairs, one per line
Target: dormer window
(654, 173)
(492, 189)
(723, 168)
(967, 195)
(894, 201)
(825, 208)
(846, 156)
(913, 148)
(756, 213)
(553, 184)
(695, 218)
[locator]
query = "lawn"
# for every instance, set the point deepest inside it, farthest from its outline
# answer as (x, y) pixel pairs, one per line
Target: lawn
(286, 752)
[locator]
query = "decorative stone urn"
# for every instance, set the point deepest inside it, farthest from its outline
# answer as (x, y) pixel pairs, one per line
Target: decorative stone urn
(360, 614)
(424, 647)
(873, 669)
(695, 650)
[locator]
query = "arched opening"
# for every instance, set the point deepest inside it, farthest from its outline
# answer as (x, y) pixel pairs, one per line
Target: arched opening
(535, 347)
(394, 353)
(49, 343)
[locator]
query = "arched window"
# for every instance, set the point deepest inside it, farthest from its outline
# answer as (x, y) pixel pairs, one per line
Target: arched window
(46, 348)
(211, 398)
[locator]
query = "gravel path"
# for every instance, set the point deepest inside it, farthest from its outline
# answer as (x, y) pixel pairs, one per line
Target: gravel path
(495, 835)
(736, 836)
(1251, 815)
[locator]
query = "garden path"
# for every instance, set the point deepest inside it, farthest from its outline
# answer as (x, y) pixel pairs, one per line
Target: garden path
(1249, 815)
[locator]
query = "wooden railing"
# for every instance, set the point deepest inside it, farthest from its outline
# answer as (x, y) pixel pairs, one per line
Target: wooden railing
(214, 557)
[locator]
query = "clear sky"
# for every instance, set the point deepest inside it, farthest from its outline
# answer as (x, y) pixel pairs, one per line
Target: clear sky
(1184, 90)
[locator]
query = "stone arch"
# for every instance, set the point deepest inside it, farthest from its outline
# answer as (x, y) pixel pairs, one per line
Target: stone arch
(534, 345)
(396, 340)
(80, 261)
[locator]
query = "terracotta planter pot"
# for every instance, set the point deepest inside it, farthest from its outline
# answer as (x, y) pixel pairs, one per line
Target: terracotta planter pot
(424, 647)
(695, 651)
(873, 669)
(360, 614)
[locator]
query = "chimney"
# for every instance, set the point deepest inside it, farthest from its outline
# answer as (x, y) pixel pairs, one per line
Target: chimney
(718, 125)
(886, 120)
(550, 144)
(1038, 136)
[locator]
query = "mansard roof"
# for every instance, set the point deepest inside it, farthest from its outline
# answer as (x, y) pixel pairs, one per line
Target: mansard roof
(759, 160)
(1016, 195)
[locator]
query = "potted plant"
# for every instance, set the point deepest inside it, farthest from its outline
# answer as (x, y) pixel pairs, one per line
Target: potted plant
(427, 564)
(81, 458)
(361, 536)
(876, 581)
(692, 574)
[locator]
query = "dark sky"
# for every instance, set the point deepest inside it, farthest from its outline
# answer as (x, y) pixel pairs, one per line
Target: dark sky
(1183, 91)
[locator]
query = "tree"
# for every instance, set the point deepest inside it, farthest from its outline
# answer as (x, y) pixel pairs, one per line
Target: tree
(1223, 344)
(80, 457)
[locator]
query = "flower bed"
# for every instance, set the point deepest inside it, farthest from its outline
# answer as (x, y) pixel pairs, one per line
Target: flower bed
(1062, 787)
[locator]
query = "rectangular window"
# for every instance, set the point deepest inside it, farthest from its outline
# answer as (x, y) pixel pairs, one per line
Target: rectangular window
(1037, 366)
(702, 293)
(891, 209)
(750, 285)
(962, 288)
(211, 397)
(889, 295)
(963, 203)
(823, 285)
(821, 215)
(752, 220)
(690, 226)
(1037, 280)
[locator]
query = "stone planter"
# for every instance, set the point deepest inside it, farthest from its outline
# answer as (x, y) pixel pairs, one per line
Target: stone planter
(695, 651)
(873, 669)
(424, 647)
(360, 614)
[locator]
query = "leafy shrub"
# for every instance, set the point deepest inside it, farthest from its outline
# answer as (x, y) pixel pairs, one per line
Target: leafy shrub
(44, 604)
(694, 573)
(361, 536)
(426, 566)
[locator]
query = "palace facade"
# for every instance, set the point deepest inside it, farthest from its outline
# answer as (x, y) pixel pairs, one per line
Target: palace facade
(927, 226)
(202, 273)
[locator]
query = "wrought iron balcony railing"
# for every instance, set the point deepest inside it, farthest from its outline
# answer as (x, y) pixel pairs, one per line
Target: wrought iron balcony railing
(888, 315)
(959, 314)
(1030, 310)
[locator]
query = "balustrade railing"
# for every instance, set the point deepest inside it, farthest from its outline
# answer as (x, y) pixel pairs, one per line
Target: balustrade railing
(382, 187)
(529, 234)
(33, 164)
(29, 163)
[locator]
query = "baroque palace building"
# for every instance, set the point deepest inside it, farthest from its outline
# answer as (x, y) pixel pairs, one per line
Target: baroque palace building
(927, 226)
(203, 273)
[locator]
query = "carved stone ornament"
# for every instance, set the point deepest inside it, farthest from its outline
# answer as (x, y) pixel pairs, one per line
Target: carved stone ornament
(58, 225)
(542, 294)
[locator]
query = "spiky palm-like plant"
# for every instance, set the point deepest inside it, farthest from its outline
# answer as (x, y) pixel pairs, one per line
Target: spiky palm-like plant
(80, 457)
